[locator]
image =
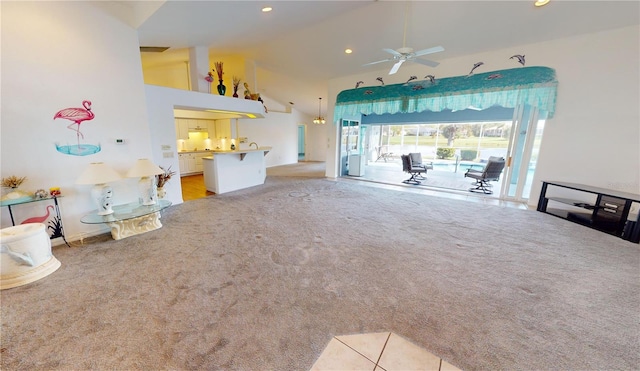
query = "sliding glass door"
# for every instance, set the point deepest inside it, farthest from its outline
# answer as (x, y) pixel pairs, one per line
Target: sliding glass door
(524, 144)
(454, 142)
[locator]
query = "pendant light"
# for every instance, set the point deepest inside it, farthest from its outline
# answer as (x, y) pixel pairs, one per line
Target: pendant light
(319, 120)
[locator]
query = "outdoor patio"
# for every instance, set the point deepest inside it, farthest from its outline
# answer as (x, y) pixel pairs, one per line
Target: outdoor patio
(445, 175)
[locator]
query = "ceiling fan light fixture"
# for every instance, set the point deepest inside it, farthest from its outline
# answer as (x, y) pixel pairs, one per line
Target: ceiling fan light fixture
(319, 120)
(405, 53)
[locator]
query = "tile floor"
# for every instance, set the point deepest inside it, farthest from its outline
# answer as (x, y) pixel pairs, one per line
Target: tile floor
(381, 351)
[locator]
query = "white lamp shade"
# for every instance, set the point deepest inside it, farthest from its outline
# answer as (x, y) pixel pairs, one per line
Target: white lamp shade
(98, 173)
(144, 167)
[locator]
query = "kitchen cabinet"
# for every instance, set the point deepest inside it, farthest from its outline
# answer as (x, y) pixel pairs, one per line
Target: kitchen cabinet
(211, 129)
(186, 126)
(223, 129)
(182, 129)
(198, 161)
(191, 163)
(187, 162)
(197, 126)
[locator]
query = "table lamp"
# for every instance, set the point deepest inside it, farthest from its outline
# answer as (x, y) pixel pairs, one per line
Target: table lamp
(98, 173)
(146, 171)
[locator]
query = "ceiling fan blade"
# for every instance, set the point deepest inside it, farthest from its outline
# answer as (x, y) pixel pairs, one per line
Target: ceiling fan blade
(435, 49)
(391, 51)
(396, 67)
(427, 62)
(376, 62)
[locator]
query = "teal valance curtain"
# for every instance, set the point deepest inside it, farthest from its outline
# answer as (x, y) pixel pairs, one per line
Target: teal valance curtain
(534, 86)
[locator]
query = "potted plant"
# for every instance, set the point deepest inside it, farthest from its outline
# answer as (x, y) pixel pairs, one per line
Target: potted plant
(162, 179)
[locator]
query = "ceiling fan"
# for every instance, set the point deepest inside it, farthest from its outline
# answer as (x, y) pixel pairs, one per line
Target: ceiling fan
(405, 53)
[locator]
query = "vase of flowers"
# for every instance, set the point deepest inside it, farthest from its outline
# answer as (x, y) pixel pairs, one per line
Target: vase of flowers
(221, 88)
(162, 179)
(236, 82)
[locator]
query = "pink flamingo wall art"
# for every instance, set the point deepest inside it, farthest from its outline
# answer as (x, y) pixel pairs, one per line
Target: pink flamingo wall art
(77, 116)
(39, 219)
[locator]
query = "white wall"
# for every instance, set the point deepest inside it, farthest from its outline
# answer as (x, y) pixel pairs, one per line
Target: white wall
(594, 137)
(54, 56)
(277, 130)
(317, 141)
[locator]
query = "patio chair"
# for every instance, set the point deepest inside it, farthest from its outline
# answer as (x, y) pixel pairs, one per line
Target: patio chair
(383, 154)
(491, 172)
(416, 161)
(415, 172)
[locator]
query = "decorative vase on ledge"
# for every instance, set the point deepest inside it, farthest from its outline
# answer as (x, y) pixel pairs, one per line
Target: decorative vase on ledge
(161, 192)
(221, 88)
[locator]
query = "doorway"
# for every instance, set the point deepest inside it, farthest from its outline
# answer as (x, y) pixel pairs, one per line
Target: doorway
(453, 145)
(301, 142)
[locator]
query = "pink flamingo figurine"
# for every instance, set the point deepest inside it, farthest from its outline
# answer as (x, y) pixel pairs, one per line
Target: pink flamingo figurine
(77, 115)
(39, 219)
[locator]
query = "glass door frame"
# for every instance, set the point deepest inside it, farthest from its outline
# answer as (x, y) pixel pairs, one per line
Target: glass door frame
(521, 142)
(346, 147)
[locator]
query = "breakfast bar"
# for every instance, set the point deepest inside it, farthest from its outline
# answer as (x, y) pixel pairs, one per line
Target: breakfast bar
(227, 171)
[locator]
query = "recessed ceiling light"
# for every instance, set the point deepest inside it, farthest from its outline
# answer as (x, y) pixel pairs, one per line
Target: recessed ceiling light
(348, 51)
(267, 9)
(541, 2)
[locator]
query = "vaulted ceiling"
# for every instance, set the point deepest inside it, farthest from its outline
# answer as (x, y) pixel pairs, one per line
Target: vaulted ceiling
(303, 42)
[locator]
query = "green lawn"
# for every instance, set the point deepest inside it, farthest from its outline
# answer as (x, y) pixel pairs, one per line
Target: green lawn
(471, 142)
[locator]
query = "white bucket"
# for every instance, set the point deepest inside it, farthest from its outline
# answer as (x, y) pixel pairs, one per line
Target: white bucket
(25, 255)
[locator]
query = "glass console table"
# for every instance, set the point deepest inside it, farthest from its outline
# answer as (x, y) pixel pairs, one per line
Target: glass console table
(55, 224)
(129, 219)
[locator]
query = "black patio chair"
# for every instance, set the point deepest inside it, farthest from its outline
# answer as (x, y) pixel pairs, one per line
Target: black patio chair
(415, 172)
(416, 161)
(491, 172)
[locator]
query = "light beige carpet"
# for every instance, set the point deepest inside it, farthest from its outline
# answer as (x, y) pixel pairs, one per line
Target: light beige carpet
(310, 169)
(262, 279)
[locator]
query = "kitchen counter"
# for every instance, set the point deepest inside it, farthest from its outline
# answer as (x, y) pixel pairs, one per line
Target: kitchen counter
(245, 150)
(222, 151)
(226, 171)
(241, 152)
(196, 151)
